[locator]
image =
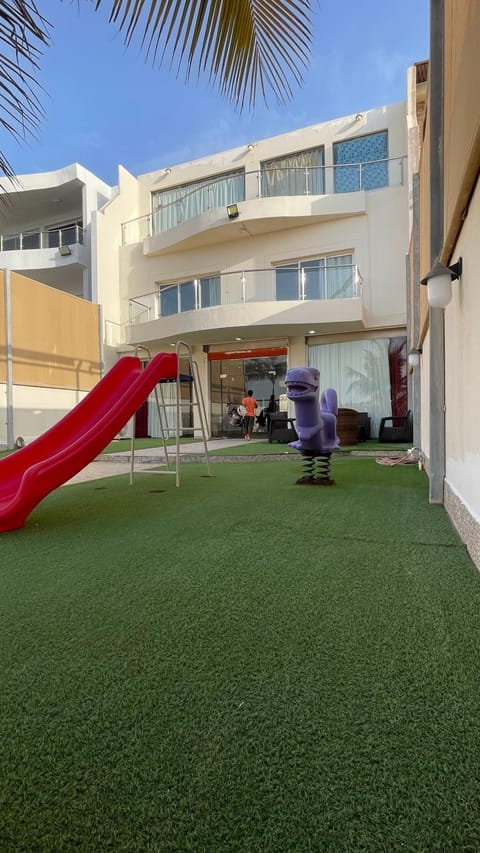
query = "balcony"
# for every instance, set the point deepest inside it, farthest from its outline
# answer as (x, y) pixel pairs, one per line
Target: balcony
(282, 301)
(323, 192)
(41, 239)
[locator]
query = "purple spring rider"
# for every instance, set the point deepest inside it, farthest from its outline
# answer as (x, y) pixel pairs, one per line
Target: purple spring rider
(316, 424)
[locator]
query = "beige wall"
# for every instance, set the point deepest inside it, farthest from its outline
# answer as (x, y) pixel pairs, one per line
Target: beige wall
(462, 116)
(3, 362)
(424, 228)
(56, 354)
(379, 249)
(462, 351)
(54, 337)
(461, 238)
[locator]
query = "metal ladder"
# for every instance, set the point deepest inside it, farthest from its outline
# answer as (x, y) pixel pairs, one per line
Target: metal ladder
(196, 401)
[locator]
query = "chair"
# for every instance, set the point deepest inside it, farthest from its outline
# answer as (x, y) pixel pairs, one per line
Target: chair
(281, 428)
(363, 432)
(396, 428)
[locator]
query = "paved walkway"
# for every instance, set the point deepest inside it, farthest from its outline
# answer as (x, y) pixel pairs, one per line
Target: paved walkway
(113, 464)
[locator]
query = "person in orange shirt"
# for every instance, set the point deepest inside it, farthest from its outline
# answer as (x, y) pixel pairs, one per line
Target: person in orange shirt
(250, 404)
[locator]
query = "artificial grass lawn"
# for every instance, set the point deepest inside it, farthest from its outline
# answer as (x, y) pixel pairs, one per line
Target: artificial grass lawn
(241, 664)
(123, 445)
(259, 447)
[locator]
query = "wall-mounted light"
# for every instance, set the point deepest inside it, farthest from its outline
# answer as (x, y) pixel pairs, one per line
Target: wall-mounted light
(65, 250)
(168, 171)
(232, 211)
(250, 146)
(414, 357)
(439, 283)
(359, 117)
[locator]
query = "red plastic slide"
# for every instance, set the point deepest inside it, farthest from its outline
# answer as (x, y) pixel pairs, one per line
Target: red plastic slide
(28, 475)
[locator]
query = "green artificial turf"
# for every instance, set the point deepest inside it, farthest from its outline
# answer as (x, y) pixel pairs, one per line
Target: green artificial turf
(123, 445)
(240, 664)
(260, 447)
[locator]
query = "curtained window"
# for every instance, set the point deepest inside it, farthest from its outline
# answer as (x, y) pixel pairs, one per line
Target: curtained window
(329, 277)
(210, 291)
(178, 204)
(189, 295)
(294, 174)
(361, 373)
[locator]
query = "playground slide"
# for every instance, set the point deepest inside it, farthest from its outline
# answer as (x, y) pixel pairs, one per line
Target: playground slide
(28, 475)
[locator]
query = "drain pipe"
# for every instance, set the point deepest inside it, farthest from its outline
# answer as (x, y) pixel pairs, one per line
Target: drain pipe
(9, 359)
(437, 450)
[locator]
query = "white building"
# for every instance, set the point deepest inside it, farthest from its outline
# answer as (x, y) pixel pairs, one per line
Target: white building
(277, 253)
(46, 227)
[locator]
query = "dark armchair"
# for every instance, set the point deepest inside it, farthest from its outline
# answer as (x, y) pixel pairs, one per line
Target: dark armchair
(396, 428)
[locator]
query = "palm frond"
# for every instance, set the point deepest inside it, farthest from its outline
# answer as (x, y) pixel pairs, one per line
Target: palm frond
(248, 47)
(23, 31)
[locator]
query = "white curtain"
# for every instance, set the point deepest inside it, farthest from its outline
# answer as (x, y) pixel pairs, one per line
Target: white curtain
(296, 174)
(339, 277)
(359, 372)
(176, 205)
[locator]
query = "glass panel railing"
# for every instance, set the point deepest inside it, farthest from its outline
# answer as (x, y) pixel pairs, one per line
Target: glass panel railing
(41, 239)
(270, 182)
(290, 283)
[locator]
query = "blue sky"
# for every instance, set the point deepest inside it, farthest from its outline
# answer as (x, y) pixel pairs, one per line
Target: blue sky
(106, 105)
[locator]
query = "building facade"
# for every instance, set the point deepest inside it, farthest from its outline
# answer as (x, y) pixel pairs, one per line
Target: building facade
(281, 252)
(50, 341)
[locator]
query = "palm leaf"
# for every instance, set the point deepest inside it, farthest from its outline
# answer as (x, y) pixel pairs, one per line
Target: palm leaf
(23, 32)
(246, 46)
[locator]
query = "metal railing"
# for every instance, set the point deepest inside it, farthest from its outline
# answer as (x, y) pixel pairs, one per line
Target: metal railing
(283, 284)
(269, 183)
(115, 333)
(41, 239)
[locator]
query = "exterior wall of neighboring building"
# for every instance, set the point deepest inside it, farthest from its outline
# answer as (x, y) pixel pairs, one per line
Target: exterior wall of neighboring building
(110, 285)
(48, 210)
(55, 354)
(461, 225)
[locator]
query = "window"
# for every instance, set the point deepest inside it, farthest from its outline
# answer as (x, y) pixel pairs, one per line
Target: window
(178, 204)
(329, 277)
(368, 375)
(361, 163)
(169, 300)
(210, 291)
(64, 235)
(294, 174)
(189, 295)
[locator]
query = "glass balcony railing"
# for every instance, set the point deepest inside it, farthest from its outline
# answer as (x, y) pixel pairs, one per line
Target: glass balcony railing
(41, 239)
(283, 284)
(268, 183)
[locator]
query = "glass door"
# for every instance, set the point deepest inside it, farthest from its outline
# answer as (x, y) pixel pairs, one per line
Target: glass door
(231, 378)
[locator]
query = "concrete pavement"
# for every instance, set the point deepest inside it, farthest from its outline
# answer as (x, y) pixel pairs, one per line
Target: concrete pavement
(114, 464)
